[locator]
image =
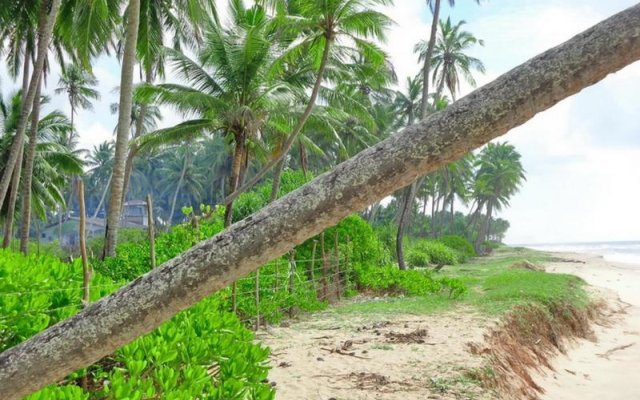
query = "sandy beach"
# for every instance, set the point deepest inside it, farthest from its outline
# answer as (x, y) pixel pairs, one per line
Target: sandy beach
(607, 368)
(329, 356)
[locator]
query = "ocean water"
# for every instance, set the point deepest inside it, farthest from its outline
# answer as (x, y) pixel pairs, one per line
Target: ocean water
(624, 252)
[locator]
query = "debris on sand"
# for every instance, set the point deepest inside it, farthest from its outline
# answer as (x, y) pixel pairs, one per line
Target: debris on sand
(415, 337)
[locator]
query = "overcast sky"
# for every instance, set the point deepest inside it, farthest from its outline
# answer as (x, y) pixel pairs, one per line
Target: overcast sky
(582, 157)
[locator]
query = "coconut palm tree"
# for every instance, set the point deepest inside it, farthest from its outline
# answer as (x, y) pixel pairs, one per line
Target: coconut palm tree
(45, 23)
(316, 26)
(51, 161)
(499, 176)
(181, 176)
(100, 160)
(450, 60)
(78, 84)
(233, 89)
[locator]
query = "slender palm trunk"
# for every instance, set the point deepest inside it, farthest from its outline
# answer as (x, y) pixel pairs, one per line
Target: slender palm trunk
(277, 177)
(427, 59)
(296, 130)
(404, 215)
(28, 172)
(11, 211)
(8, 227)
(48, 13)
(133, 149)
(303, 158)
(234, 178)
(484, 228)
(122, 136)
(178, 186)
(406, 208)
(101, 202)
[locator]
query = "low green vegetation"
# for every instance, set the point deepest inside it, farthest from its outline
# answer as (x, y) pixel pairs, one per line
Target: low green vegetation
(491, 286)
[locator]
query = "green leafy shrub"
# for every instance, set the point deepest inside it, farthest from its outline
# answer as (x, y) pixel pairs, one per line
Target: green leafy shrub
(391, 280)
(38, 291)
(418, 259)
(438, 253)
(172, 362)
(462, 246)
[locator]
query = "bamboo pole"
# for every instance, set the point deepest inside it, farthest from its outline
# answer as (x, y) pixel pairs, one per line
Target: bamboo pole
(152, 232)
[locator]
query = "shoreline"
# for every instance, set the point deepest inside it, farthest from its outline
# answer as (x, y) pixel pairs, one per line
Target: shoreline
(606, 368)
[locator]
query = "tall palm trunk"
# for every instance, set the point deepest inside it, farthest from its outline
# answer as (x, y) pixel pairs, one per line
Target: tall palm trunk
(122, 136)
(406, 208)
(234, 178)
(427, 59)
(411, 192)
(11, 210)
(178, 186)
(28, 172)
(133, 149)
(296, 130)
(484, 228)
(8, 227)
(46, 21)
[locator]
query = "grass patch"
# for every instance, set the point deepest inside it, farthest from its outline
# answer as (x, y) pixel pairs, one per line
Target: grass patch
(493, 288)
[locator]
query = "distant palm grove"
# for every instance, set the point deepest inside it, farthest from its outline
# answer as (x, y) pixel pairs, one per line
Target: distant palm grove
(263, 88)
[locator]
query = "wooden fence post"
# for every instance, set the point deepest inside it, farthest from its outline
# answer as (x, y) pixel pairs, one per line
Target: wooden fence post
(86, 269)
(292, 275)
(152, 232)
(257, 299)
(325, 268)
(234, 297)
(346, 261)
(313, 267)
(337, 271)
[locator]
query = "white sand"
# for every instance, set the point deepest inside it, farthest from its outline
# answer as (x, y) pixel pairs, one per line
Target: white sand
(586, 372)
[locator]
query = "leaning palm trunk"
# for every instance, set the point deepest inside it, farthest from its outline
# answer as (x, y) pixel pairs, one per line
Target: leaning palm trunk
(28, 172)
(101, 202)
(122, 136)
(277, 178)
(48, 13)
(179, 186)
(211, 265)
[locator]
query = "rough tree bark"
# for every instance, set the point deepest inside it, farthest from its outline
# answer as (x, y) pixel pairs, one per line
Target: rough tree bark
(28, 172)
(485, 114)
(122, 136)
